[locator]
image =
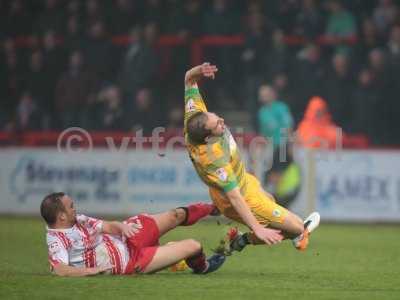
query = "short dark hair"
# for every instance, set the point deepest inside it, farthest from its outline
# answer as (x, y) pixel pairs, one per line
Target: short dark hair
(51, 206)
(196, 128)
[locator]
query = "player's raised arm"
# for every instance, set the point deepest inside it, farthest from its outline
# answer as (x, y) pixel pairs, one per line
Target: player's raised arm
(205, 70)
(193, 100)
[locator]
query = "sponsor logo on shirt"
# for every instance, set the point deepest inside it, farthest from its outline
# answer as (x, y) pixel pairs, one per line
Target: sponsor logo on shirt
(190, 105)
(276, 213)
(222, 175)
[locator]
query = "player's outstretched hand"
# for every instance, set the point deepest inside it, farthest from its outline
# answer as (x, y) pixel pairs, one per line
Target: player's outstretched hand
(129, 230)
(208, 70)
(268, 235)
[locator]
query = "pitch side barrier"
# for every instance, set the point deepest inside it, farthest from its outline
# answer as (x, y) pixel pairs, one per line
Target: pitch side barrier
(113, 176)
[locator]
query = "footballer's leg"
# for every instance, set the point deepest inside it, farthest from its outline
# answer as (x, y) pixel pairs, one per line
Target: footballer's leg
(189, 250)
(182, 216)
(271, 214)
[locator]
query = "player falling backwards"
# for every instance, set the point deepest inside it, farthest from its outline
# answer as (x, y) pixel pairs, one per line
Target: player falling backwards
(237, 194)
(81, 246)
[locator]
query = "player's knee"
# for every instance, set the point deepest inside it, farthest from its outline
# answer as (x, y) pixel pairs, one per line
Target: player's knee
(179, 215)
(174, 216)
(193, 246)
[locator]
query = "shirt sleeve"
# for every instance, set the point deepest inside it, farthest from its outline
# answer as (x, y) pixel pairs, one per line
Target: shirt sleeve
(222, 176)
(93, 225)
(194, 102)
(57, 252)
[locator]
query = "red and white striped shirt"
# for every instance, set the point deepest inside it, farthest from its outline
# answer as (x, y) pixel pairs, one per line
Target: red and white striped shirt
(84, 245)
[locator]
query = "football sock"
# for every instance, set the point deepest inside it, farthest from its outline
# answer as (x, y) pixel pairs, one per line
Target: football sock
(196, 212)
(197, 263)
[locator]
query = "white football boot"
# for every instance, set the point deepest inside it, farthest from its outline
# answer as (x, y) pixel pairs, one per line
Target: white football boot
(310, 224)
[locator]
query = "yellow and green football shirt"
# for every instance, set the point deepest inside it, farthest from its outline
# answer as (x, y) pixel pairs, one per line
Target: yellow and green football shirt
(218, 163)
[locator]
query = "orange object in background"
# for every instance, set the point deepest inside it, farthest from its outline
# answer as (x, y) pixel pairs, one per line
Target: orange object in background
(317, 129)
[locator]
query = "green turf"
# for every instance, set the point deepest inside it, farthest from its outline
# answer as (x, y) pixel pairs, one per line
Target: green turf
(342, 262)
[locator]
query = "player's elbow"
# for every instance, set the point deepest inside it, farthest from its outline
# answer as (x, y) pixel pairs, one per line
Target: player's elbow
(187, 77)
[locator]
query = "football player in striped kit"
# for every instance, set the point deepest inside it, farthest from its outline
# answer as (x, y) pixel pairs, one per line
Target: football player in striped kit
(79, 245)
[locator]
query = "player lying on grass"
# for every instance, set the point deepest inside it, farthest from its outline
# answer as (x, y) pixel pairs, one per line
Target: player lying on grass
(80, 246)
(237, 194)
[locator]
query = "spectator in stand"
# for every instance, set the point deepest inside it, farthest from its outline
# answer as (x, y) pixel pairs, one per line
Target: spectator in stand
(108, 110)
(37, 81)
(308, 74)
(280, 83)
(191, 19)
(277, 57)
(122, 17)
(140, 63)
(393, 47)
(317, 130)
(175, 120)
(274, 117)
(369, 40)
(254, 50)
(74, 8)
(385, 15)
(74, 91)
(51, 18)
(309, 21)
(394, 63)
(153, 12)
(28, 115)
(341, 22)
(337, 88)
(93, 12)
(221, 19)
(341, 25)
(98, 52)
(377, 62)
(73, 37)
(142, 113)
(54, 58)
(17, 22)
(285, 16)
(256, 45)
(10, 79)
(367, 116)
(387, 84)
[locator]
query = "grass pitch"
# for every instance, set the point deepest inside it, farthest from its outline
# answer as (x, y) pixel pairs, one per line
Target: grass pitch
(342, 262)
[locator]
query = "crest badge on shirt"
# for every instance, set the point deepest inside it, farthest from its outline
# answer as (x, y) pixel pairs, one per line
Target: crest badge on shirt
(222, 174)
(53, 247)
(190, 105)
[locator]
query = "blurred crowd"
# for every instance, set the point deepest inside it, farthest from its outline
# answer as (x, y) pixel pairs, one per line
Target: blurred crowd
(60, 65)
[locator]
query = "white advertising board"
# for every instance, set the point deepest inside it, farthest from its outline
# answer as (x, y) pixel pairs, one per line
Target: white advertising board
(101, 182)
(358, 185)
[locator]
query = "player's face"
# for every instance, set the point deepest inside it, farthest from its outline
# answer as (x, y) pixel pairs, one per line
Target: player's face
(216, 124)
(70, 212)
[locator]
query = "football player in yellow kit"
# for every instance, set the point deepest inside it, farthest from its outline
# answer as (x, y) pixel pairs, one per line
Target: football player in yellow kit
(237, 194)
